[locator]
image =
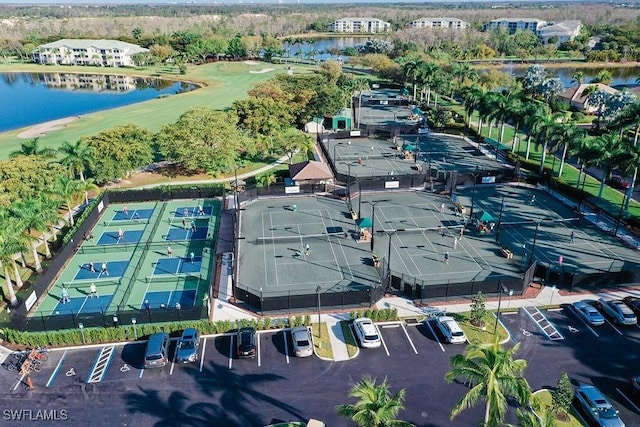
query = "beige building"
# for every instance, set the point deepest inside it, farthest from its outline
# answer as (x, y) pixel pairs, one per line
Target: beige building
(454, 23)
(360, 25)
(514, 24)
(107, 53)
(577, 99)
(564, 31)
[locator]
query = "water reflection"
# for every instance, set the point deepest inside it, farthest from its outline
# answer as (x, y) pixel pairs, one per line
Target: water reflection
(93, 82)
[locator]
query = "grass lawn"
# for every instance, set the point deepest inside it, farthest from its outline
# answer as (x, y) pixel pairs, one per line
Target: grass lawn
(350, 340)
(321, 343)
(479, 335)
(545, 398)
(223, 83)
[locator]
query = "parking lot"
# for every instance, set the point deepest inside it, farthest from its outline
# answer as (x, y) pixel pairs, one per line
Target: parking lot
(276, 385)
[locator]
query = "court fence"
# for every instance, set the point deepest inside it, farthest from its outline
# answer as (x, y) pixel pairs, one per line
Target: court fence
(570, 278)
(21, 319)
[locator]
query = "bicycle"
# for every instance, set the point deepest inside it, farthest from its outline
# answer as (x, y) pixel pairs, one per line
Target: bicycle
(10, 366)
(36, 354)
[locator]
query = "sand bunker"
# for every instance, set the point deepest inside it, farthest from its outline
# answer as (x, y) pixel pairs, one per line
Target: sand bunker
(264, 70)
(43, 128)
(251, 63)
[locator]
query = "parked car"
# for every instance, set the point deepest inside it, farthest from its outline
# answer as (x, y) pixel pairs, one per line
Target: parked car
(367, 332)
(619, 311)
(156, 354)
(588, 313)
(618, 182)
(597, 407)
(302, 343)
(187, 348)
(451, 330)
(246, 345)
(633, 303)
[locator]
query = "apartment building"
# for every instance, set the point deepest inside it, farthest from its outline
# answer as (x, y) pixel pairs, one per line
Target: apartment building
(107, 53)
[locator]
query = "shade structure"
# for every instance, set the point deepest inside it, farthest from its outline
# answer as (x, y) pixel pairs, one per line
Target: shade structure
(364, 222)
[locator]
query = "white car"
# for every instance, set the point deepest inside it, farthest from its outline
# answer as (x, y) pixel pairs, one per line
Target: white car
(451, 330)
(302, 343)
(588, 313)
(619, 311)
(367, 332)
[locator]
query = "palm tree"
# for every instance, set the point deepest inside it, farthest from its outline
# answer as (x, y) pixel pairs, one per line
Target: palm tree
(65, 190)
(628, 117)
(266, 179)
(11, 243)
(537, 415)
(536, 115)
(494, 376)
(611, 155)
(411, 68)
(471, 97)
(584, 150)
(578, 77)
(30, 212)
(376, 407)
(543, 137)
(564, 135)
(428, 75)
(77, 157)
(32, 148)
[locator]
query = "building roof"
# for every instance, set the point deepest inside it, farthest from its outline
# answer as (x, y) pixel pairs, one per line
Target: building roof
(439, 19)
(310, 171)
(98, 44)
(518, 20)
(563, 28)
(360, 19)
(575, 93)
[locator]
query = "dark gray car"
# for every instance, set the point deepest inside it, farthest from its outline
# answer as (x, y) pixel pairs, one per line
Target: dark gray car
(187, 348)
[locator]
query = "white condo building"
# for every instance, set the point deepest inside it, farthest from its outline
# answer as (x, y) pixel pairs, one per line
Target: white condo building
(515, 24)
(564, 31)
(439, 23)
(108, 53)
(359, 25)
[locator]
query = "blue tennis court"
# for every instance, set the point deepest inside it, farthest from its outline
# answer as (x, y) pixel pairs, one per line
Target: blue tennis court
(83, 305)
(164, 299)
(112, 238)
(132, 214)
(176, 234)
(114, 268)
(192, 211)
(177, 265)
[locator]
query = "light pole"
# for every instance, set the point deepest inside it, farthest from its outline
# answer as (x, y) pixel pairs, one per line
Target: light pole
(81, 326)
(178, 308)
(318, 290)
(533, 246)
(373, 218)
(500, 219)
(135, 328)
(524, 252)
(334, 151)
(473, 192)
(624, 200)
(261, 303)
(389, 233)
(501, 289)
(349, 184)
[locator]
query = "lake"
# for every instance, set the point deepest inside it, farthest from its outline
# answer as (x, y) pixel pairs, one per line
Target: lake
(620, 75)
(31, 98)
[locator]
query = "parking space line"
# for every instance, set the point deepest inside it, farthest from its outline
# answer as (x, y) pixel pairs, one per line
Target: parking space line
(409, 338)
(583, 322)
(53, 376)
(20, 381)
(614, 328)
(286, 347)
(628, 400)
(384, 344)
(258, 349)
(435, 336)
(204, 346)
(101, 364)
(141, 372)
(230, 351)
(173, 362)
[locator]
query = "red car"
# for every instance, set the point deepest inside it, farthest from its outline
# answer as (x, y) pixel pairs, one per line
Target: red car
(618, 182)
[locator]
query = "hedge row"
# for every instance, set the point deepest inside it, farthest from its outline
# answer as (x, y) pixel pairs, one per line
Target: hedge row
(377, 315)
(66, 337)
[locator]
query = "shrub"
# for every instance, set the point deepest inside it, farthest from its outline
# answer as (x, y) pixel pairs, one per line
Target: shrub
(478, 309)
(562, 396)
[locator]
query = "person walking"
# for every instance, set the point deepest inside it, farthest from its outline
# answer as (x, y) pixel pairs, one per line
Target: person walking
(533, 199)
(92, 268)
(442, 208)
(93, 291)
(104, 270)
(572, 237)
(125, 211)
(184, 223)
(462, 232)
(193, 226)
(192, 257)
(560, 260)
(455, 243)
(200, 210)
(186, 212)
(307, 249)
(169, 251)
(64, 295)
(120, 234)
(446, 257)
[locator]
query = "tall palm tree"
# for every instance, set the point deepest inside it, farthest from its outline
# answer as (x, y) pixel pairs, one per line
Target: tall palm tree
(11, 243)
(427, 75)
(32, 148)
(578, 77)
(376, 407)
(77, 157)
(494, 376)
(537, 415)
(536, 115)
(28, 211)
(411, 68)
(564, 135)
(611, 155)
(584, 150)
(543, 135)
(65, 190)
(630, 117)
(471, 97)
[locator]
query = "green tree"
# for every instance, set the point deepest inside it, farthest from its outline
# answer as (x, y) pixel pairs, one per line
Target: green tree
(266, 179)
(11, 243)
(119, 151)
(264, 116)
(562, 396)
(292, 141)
(35, 215)
(32, 148)
(66, 190)
(494, 377)
(536, 415)
(77, 157)
(376, 406)
(478, 309)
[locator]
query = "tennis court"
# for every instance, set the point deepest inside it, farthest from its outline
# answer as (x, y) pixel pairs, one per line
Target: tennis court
(125, 258)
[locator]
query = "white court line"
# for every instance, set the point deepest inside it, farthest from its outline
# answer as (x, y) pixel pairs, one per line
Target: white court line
(204, 346)
(315, 261)
(264, 253)
(275, 263)
(337, 264)
(409, 338)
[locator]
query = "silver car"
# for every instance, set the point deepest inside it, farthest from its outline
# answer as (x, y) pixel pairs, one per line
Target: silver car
(588, 313)
(618, 310)
(302, 342)
(597, 407)
(187, 348)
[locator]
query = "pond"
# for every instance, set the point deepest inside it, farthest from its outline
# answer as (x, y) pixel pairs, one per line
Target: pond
(621, 76)
(30, 98)
(318, 49)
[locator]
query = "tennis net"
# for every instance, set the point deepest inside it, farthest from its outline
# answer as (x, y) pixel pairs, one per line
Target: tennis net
(174, 278)
(299, 238)
(103, 249)
(365, 157)
(129, 221)
(86, 282)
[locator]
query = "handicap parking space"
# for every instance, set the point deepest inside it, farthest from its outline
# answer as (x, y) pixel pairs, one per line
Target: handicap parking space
(68, 367)
(126, 363)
